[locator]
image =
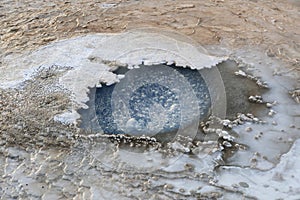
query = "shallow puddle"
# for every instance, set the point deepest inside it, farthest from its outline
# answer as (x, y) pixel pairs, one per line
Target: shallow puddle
(238, 90)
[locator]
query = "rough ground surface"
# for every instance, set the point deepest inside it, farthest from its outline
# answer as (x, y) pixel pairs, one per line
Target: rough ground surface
(38, 162)
(273, 24)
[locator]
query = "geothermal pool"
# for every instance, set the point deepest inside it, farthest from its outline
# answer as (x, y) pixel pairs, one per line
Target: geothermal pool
(125, 115)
